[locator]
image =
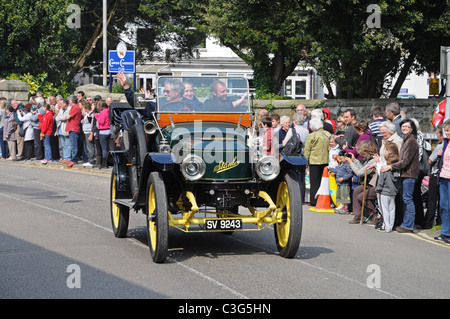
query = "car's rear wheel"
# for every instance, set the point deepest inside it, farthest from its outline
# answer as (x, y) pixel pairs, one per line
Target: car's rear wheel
(288, 232)
(157, 218)
(120, 214)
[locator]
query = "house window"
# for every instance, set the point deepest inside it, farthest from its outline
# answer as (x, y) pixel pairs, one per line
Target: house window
(297, 86)
(300, 88)
(288, 88)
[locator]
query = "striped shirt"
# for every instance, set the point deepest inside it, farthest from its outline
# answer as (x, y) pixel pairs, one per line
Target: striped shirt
(374, 127)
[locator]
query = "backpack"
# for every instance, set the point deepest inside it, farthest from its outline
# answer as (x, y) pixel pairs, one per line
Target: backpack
(377, 140)
(294, 145)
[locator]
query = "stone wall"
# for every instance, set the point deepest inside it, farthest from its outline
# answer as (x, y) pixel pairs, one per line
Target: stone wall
(14, 89)
(420, 109)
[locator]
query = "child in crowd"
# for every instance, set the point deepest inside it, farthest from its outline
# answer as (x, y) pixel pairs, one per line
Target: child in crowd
(333, 151)
(344, 175)
(87, 130)
(267, 136)
(387, 188)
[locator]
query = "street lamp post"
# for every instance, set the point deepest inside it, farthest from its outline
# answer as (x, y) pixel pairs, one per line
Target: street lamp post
(447, 87)
(105, 43)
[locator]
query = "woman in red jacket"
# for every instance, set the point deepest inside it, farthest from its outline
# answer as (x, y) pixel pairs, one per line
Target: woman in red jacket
(46, 128)
(104, 129)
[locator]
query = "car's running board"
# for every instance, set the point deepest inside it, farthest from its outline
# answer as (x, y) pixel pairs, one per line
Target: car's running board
(125, 202)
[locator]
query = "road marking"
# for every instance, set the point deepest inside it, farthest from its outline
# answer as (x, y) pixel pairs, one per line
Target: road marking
(52, 186)
(428, 239)
(325, 270)
(190, 269)
(56, 211)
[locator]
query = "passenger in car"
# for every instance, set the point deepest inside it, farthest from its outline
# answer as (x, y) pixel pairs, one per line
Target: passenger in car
(220, 100)
(190, 97)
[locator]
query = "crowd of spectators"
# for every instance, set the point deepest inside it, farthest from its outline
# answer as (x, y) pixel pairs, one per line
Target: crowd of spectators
(65, 130)
(385, 171)
(387, 174)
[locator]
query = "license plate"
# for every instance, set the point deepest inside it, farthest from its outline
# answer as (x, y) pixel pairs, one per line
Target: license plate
(223, 224)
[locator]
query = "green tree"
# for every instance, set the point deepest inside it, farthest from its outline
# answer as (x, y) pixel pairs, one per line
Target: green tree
(331, 35)
(268, 35)
(35, 38)
(169, 22)
(359, 59)
(90, 57)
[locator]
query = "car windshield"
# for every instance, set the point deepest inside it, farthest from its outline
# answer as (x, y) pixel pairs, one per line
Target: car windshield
(203, 95)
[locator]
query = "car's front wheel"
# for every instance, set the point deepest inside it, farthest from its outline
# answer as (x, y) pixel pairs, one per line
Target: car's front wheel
(288, 232)
(157, 218)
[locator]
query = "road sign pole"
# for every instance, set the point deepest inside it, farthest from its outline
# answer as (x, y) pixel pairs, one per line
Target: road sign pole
(105, 42)
(447, 87)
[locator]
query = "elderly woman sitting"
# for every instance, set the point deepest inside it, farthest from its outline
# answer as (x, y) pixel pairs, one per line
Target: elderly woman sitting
(360, 168)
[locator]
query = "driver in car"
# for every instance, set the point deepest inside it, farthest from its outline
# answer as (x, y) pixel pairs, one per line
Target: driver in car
(173, 97)
(220, 100)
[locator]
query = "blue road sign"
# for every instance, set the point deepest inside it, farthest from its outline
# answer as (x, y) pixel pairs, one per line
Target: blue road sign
(124, 64)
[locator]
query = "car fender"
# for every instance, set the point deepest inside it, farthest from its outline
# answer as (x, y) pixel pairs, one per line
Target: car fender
(296, 160)
(162, 158)
(162, 162)
(119, 160)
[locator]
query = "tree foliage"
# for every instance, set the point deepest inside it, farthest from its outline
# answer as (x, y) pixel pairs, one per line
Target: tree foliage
(272, 36)
(359, 59)
(169, 29)
(333, 36)
(268, 35)
(40, 83)
(34, 37)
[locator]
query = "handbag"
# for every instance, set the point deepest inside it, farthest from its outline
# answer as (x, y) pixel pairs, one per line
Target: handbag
(23, 130)
(424, 166)
(293, 145)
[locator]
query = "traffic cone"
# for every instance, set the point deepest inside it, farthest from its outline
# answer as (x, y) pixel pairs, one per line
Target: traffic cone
(323, 204)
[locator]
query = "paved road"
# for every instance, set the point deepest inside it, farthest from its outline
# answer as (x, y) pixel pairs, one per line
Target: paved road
(56, 242)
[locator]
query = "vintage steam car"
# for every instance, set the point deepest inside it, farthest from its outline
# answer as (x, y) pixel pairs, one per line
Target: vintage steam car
(194, 162)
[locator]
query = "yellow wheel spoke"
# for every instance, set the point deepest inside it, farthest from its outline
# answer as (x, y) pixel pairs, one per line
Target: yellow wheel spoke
(115, 207)
(284, 204)
(151, 224)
